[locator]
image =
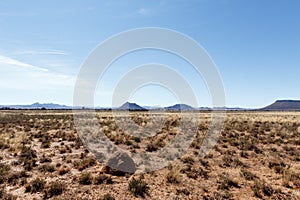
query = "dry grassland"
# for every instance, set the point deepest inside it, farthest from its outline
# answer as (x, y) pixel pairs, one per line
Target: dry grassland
(257, 157)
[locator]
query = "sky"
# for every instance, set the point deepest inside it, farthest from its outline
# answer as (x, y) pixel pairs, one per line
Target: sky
(254, 44)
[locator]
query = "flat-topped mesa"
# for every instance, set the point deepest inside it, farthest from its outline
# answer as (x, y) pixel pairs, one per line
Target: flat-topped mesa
(284, 105)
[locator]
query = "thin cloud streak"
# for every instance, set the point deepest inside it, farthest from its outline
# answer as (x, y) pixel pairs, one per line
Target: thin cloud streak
(19, 75)
(41, 52)
(9, 61)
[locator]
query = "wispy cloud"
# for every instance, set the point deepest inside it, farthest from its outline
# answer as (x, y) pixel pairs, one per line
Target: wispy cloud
(9, 61)
(40, 52)
(15, 74)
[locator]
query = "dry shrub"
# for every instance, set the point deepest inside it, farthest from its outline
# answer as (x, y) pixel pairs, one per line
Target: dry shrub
(85, 178)
(227, 182)
(174, 176)
(85, 163)
(261, 188)
(138, 187)
(248, 175)
(37, 185)
(54, 189)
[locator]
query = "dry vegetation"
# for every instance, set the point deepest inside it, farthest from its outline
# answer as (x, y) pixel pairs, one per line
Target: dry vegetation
(257, 157)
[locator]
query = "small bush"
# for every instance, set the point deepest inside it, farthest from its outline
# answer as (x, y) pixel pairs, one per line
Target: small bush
(85, 163)
(226, 183)
(27, 157)
(151, 147)
(85, 178)
(188, 160)
(138, 187)
(248, 175)
(4, 171)
(108, 197)
(35, 186)
(55, 188)
(46, 143)
(260, 189)
(45, 159)
(47, 168)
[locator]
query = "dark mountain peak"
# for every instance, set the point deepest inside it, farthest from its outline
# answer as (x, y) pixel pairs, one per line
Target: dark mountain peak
(284, 105)
(131, 106)
(180, 107)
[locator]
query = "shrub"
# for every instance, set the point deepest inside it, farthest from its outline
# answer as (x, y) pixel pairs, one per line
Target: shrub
(260, 188)
(188, 160)
(4, 171)
(85, 163)
(151, 147)
(85, 178)
(248, 175)
(108, 197)
(55, 188)
(138, 187)
(47, 168)
(27, 157)
(35, 186)
(45, 159)
(226, 183)
(46, 143)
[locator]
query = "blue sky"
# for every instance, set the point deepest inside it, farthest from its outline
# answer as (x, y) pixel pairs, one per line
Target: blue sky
(254, 43)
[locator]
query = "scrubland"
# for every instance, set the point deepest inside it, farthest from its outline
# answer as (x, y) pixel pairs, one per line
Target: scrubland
(257, 157)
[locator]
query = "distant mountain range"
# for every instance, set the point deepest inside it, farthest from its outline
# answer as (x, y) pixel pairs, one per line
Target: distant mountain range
(278, 105)
(37, 106)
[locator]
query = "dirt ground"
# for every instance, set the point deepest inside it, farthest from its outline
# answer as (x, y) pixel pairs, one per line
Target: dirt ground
(257, 157)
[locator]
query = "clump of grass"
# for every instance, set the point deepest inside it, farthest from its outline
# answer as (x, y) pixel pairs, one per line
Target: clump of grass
(45, 159)
(37, 185)
(108, 197)
(85, 178)
(47, 168)
(27, 157)
(291, 178)
(46, 143)
(248, 175)
(14, 177)
(4, 171)
(226, 183)
(138, 187)
(85, 163)
(3, 145)
(151, 147)
(278, 166)
(54, 189)
(195, 173)
(173, 176)
(188, 160)
(260, 188)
